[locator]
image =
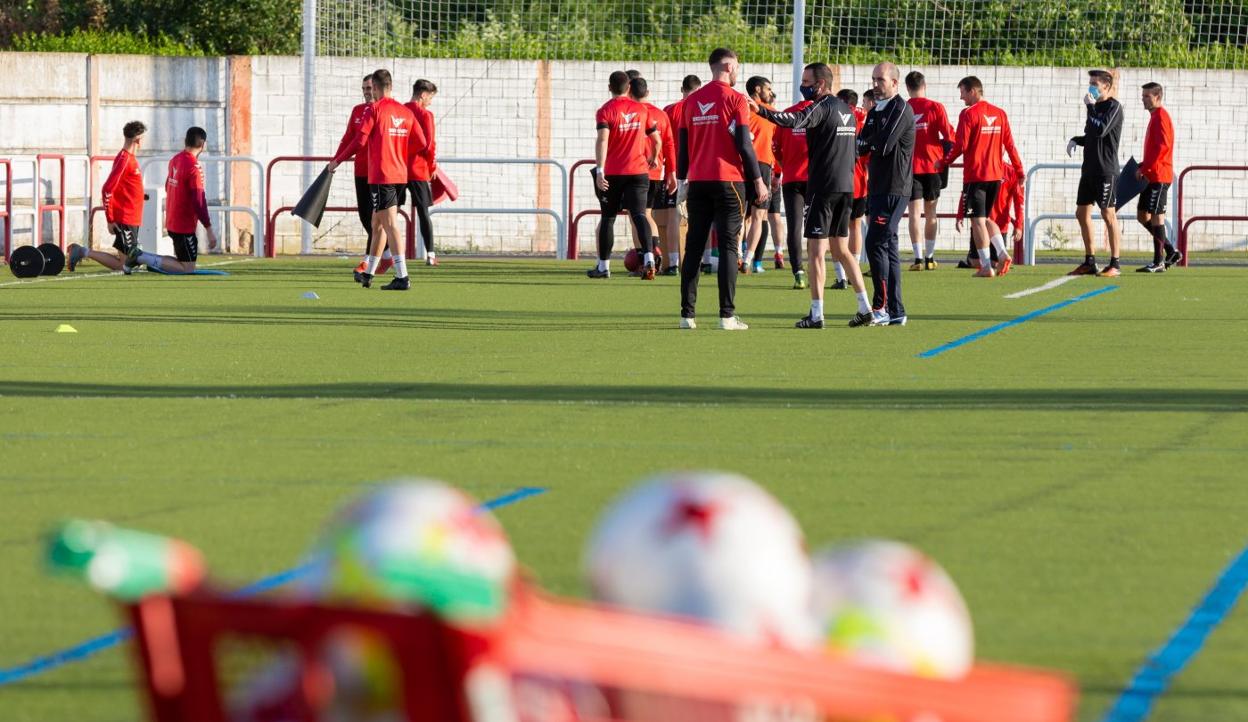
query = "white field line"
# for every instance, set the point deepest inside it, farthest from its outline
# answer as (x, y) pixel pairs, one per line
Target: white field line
(109, 274)
(1038, 289)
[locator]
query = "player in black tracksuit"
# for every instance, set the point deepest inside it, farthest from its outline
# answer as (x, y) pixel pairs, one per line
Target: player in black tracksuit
(831, 129)
(888, 135)
(1098, 178)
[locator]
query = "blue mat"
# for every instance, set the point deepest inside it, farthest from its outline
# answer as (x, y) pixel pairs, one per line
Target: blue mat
(196, 272)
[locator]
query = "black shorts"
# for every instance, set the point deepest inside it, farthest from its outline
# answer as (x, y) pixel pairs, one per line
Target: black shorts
(185, 247)
(422, 193)
(669, 200)
(627, 193)
(773, 202)
(387, 195)
(1098, 191)
(828, 216)
(1153, 198)
(125, 238)
(926, 186)
(656, 197)
(979, 198)
(858, 209)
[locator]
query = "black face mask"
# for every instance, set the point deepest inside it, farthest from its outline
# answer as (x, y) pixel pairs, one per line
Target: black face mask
(807, 91)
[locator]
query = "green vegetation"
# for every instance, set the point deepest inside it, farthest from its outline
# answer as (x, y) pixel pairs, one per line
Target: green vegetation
(1080, 475)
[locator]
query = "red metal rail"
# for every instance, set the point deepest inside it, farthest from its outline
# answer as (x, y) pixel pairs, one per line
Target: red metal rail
(7, 213)
(1183, 223)
(57, 208)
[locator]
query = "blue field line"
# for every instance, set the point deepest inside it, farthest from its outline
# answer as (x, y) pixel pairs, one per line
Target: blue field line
(1013, 322)
(1154, 677)
(94, 645)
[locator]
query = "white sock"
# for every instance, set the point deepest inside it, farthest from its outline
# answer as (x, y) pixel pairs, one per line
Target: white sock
(998, 243)
(649, 259)
(706, 255)
(673, 260)
(864, 305)
(917, 247)
(385, 255)
(840, 270)
(929, 248)
(985, 260)
(431, 255)
(400, 267)
(816, 310)
(604, 265)
(370, 264)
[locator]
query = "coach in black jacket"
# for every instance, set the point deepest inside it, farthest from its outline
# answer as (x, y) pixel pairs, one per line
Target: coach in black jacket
(888, 135)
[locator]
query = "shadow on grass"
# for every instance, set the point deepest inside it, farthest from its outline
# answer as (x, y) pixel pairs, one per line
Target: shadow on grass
(1176, 400)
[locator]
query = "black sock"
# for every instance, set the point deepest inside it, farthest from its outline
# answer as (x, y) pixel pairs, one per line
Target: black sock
(1156, 252)
(1089, 260)
(1113, 261)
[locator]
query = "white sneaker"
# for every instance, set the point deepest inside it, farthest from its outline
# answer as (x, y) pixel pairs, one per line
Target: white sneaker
(688, 323)
(880, 318)
(732, 324)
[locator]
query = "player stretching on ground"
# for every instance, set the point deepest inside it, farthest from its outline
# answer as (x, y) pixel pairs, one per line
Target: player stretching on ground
(123, 205)
(888, 135)
(387, 131)
(669, 218)
(759, 90)
(792, 154)
(1098, 180)
(662, 175)
(716, 157)
(186, 204)
(363, 201)
(422, 163)
(1158, 170)
(831, 137)
(932, 134)
(983, 132)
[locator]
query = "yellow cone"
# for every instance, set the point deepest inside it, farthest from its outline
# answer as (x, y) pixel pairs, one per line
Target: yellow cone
(66, 328)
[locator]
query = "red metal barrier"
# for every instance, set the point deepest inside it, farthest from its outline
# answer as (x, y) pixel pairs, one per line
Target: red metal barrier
(1183, 224)
(57, 208)
(573, 246)
(270, 238)
(7, 213)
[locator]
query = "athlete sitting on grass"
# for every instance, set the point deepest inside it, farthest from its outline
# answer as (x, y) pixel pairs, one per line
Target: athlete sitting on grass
(185, 205)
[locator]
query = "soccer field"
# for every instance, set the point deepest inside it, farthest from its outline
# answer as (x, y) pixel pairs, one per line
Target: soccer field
(1076, 473)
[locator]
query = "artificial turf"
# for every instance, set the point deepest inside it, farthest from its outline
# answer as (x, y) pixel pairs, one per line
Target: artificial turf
(1080, 475)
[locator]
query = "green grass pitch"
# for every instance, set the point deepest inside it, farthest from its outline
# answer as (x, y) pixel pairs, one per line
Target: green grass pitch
(1080, 475)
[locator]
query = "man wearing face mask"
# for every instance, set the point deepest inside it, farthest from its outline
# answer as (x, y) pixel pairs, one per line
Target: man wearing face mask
(831, 131)
(1102, 131)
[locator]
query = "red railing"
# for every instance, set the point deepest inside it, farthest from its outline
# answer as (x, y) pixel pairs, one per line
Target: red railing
(57, 208)
(270, 237)
(7, 213)
(1183, 223)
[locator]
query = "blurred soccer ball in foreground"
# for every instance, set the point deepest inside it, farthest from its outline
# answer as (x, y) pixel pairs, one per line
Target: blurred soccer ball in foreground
(709, 546)
(887, 605)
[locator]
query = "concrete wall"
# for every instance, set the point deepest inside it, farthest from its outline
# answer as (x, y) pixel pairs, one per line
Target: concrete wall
(513, 109)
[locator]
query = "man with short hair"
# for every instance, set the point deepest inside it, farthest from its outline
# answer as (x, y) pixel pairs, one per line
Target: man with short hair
(363, 201)
(1158, 169)
(759, 91)
(663, 174)
(716, 158)
(859, 209)
(389, 132)
(888, 135)
(673, 242)
(1098, 178)
(624, 158)
(422, 163)
(983, 132)
(932, 133)
(123, 206)
(186, 204)
(831, 137)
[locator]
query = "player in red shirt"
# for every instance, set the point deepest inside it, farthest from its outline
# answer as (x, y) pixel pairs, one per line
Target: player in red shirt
(186, 206)
(983, 133)
(1007, 212)
(388, 132)
(123, 205)
(789, 146)
(673, 241)
(716, 158)
(1158, 169)
(624, 156)
(423, 161)
(363, 201)
(663, 175)
(932, 135)
(763, 133)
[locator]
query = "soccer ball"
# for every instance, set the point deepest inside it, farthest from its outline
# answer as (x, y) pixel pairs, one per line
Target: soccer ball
(887, 605)
(416, 543)
(708, 546)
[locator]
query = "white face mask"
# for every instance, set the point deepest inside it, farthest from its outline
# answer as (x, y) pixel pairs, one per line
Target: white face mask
(882, 103)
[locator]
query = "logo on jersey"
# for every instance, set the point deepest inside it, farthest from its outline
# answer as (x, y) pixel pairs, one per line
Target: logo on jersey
(628, 117)
(846, 117)
(990, 119)
(397, 121)
(705, 107)
(397, 130)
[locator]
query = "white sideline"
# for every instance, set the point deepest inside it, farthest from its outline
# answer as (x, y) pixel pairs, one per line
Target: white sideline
(1051, 284)
(108, 274)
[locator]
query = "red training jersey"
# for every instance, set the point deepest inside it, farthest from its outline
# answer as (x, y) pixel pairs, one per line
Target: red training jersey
(388, 130)
(353, 128)
(931, 126)
(860, 166)
(711, 117)
(674, 113)
(667, 143)
(627, 123)
(763, 132)
(1158, 165)
(422, 160)
(983, 131)
(123, 191)
(185, 200)
(789, 147)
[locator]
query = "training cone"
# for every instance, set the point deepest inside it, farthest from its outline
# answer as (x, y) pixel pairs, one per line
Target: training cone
(311, 296)
(66, 328)
(311, 207)
(442, 188)
(1128, 186)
